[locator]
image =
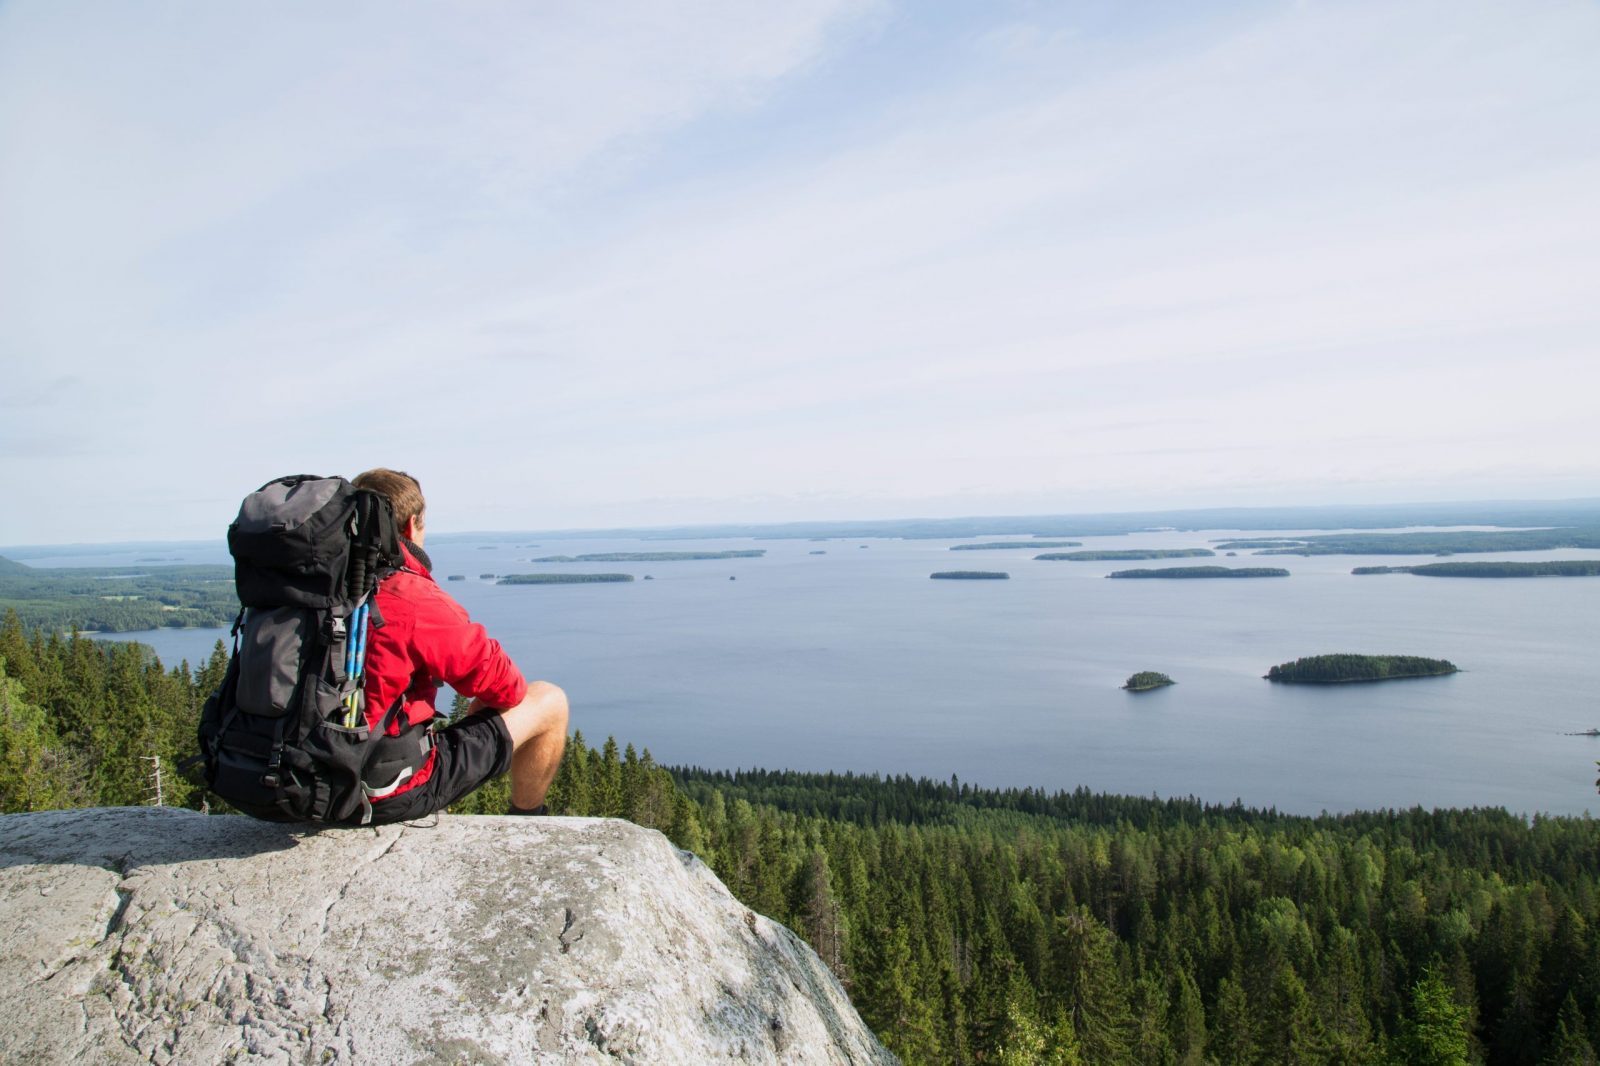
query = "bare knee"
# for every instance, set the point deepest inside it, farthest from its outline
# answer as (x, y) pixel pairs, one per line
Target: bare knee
(553, 706)
(542, 711)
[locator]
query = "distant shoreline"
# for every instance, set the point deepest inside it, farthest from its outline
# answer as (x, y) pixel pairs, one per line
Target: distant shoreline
(1502, 514)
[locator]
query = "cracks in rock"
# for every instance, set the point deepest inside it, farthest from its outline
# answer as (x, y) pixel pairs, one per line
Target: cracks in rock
(344, 889)
(119, 916)
(571, 919)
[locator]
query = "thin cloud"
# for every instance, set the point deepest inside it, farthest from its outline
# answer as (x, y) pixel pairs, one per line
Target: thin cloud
(726, 253)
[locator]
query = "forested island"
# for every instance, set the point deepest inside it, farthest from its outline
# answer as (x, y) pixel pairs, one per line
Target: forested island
(1339, 669)
(1203, 572)
(118, 599)
(1128, 554)
(970, 575)
(1427, 542)
(1548, 568)
(1145, 680)
(982, 925)
(1007, 545)
(652, 557)
(561, 579)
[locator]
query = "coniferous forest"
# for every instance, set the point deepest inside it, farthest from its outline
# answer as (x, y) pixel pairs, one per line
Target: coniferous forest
(1015, 926)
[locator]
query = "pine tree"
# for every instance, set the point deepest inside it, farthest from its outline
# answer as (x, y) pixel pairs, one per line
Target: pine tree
(36, 774)
(1087, 977)
(608, 800)
(570, 791)
(1186, 1020)
(1436, 1032)
(1569, 1044)
(1233, 1035)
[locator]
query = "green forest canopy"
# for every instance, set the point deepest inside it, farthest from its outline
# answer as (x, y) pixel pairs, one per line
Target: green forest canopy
(1333, 669)
(561, 579)
(1129, 554)
(1181, 572)
(119, 599)
(1547, 568)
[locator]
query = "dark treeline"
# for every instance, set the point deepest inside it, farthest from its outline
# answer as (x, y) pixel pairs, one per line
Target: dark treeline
(1548, 568)
(1015, 925)
(1334, 669)
(1009, 545)
(1128, 554)
(561, 579)
(1183, 572)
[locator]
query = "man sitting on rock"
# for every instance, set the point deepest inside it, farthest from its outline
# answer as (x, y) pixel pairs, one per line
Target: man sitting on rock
(426, 637)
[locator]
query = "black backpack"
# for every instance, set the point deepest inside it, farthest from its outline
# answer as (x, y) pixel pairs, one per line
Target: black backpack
(286, 737)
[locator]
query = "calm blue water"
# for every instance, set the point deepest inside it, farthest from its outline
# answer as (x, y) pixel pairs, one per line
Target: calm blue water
(854, 660)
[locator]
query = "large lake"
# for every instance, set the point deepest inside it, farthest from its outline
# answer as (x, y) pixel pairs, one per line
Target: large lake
(855, 660)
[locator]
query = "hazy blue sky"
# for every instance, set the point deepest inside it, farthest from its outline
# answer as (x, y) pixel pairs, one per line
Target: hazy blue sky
(644, 263)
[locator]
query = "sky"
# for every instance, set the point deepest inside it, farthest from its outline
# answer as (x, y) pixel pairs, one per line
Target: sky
(579, 265)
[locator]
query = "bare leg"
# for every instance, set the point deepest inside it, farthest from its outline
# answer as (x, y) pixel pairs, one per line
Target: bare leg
(538, 728)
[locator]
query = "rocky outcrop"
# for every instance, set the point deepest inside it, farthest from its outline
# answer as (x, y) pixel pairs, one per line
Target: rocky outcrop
(158, 935)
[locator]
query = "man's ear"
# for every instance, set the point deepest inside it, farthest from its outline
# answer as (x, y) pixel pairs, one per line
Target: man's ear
(411, 528)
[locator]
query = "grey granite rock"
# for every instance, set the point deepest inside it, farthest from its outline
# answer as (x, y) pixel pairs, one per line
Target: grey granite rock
(158, 935)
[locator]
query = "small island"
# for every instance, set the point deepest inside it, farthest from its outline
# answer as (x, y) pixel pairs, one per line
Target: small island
(1127, 554)
(487, 577)
(1006, 545)
(1145, 680)
(456, 577)
(651, 557)
(1548, 568)
(819, 553)
(561, 579)
(1345, 668)
(1204, 571)
(970, 575)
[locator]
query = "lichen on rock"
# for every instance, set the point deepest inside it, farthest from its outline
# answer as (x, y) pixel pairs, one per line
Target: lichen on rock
(160, 935)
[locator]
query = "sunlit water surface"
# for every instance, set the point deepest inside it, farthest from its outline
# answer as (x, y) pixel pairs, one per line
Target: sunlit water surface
(855, 660)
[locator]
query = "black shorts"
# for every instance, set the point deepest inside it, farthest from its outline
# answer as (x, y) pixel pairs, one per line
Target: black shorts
(469, 753)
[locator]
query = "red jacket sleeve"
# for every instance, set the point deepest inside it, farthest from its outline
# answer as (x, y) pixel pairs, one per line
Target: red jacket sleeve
(460, 652)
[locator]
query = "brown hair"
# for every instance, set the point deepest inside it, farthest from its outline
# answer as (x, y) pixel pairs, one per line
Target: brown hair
(403, 490)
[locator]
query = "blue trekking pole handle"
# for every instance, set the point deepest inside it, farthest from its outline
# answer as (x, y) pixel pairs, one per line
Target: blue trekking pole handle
(350, 645)
(361, 640)
(355, 659)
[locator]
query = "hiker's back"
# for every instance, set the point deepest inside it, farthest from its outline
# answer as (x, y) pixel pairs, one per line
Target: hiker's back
(288, 736)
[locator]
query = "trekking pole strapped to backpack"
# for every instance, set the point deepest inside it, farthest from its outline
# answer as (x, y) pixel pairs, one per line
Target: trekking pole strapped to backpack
(287, 737)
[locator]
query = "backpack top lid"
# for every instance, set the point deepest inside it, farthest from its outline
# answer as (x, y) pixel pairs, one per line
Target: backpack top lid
(283, 505)
(299, 540)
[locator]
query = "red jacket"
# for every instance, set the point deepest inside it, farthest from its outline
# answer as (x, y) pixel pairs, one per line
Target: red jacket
(426, 638)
